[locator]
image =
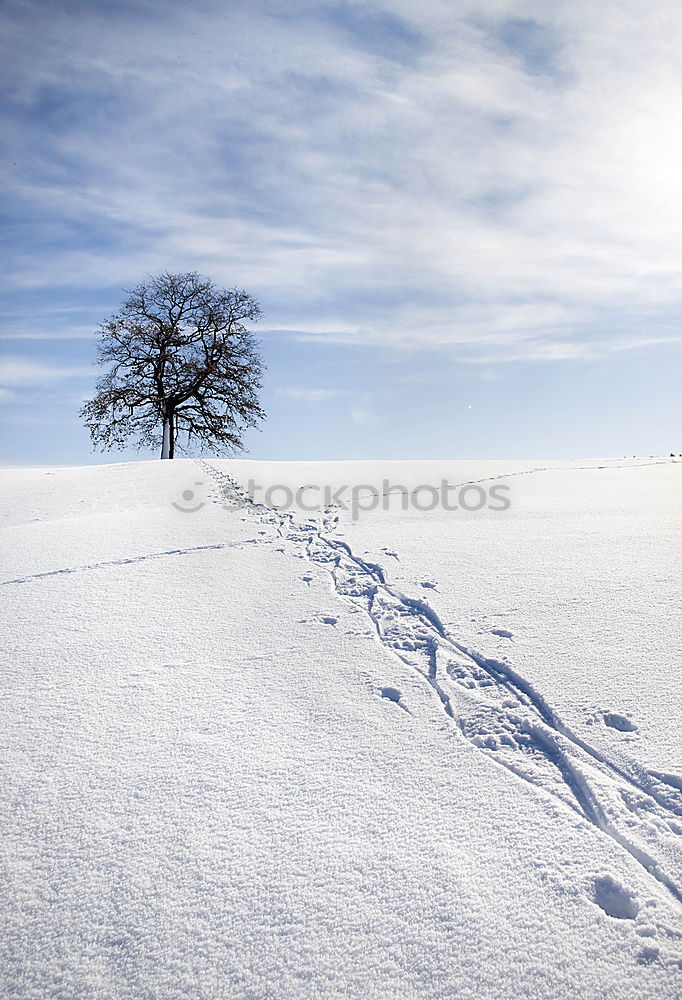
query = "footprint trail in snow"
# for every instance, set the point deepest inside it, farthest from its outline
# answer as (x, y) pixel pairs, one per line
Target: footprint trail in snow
(490, 704)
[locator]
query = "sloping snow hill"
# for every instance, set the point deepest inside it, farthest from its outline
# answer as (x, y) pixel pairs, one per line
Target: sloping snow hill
(261, 753)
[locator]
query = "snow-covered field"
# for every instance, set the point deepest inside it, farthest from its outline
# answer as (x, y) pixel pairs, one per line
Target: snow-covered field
(251, 753)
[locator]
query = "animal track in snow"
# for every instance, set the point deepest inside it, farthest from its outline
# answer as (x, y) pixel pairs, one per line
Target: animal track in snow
(620, 722)
(614, 899)
(502, 632)
(393, 694)
(648, 955)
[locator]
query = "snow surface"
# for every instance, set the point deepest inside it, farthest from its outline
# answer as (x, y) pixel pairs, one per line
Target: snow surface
(257, 754)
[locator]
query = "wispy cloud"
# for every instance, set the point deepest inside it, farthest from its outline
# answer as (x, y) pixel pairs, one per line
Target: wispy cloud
(496, 179)
(15, 371)
(22, 330)
(364, 416)
(304, 395)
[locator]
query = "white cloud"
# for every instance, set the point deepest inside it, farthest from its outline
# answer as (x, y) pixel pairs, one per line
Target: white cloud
(23, 371)
(21, 331)
(364, 416)
(303, 395)
(455, 200)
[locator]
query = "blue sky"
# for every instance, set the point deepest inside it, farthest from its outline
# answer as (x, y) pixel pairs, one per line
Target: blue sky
(462, 219)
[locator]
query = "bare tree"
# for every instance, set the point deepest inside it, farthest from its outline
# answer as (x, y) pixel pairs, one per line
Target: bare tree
(184, 367)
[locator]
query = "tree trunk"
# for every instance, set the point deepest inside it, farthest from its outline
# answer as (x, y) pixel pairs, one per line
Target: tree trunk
(171, 446)
(165, 447)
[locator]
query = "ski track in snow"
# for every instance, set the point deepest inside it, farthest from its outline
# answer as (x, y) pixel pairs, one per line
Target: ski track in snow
(489, 703)
(123, 562)
(550, 468)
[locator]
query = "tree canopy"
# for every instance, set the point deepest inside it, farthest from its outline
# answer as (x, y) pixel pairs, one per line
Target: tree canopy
(183, 368)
